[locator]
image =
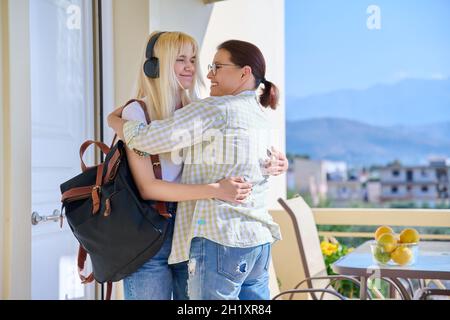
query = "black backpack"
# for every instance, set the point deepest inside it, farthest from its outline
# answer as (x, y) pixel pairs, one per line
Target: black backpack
(117, 228)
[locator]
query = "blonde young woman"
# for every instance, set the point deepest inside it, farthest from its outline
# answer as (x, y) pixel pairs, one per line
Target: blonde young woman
(174, 85)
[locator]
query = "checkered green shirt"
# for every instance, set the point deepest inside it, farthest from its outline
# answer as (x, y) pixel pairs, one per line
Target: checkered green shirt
(219, 137)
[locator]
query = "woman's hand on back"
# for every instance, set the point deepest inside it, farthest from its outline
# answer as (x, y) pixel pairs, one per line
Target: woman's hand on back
(277, 164)
(233, 189)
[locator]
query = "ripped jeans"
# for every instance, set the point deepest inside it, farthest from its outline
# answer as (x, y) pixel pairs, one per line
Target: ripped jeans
(218, 272)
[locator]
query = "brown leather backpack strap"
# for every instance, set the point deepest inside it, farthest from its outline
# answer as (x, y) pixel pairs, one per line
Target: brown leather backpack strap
(143, 106)
(156, 166)
(109, 287)
(113, 165)
(162, 209)
(113, 142)
(82, 254)
(77, 193)
(160, 205)
(105, 149)
(97, 189)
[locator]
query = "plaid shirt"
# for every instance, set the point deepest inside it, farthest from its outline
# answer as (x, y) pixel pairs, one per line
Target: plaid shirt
(219, 137)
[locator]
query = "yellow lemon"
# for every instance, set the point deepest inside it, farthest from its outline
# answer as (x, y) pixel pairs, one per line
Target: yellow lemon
(388, 242)
(409, 235)
(381, 230)
(381, 256)
(402, 255)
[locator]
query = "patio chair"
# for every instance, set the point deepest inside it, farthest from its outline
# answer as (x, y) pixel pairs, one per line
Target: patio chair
(316, 278)
(426, 293)
(333, 293)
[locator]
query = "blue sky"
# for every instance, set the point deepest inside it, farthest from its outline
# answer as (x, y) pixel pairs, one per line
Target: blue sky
(329, 47)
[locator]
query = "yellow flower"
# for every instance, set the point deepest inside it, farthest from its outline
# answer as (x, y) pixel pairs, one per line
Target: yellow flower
(324, 245)
(328, 248)
(334, 247)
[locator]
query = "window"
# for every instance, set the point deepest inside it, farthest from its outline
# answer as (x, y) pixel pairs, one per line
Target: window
(409, 175)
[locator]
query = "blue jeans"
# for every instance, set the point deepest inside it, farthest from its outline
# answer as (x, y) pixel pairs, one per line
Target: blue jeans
(156, 279)
(218, 272)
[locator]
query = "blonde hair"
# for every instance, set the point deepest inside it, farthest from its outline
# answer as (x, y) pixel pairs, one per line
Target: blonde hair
(162, 93)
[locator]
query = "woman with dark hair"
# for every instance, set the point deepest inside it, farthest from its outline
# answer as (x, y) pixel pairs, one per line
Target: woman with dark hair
(227, 244)
(246, 56)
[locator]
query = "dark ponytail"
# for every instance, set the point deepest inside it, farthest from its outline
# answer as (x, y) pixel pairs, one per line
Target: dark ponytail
(243, 54)
(270, 95)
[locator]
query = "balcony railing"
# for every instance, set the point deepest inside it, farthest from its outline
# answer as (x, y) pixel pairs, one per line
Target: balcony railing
(377, 217)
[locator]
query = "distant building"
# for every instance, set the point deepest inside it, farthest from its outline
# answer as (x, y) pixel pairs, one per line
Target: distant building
(312, 176)
(372, 191)
(422, 185)
(344, 192)
(335, 170)
(290, 177)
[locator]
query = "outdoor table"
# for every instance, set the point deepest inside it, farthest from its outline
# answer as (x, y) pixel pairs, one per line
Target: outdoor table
(433, 262)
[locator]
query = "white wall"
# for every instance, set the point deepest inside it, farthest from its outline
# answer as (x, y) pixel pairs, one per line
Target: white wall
(130, 23)
(258, 21)
(190, 16)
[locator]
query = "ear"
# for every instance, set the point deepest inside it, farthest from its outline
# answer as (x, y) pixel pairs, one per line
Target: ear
(246, 72)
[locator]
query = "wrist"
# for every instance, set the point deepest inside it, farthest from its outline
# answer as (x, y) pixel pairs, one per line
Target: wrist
(213, 190)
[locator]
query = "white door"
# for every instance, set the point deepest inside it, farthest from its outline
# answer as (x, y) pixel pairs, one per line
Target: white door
(62, 118)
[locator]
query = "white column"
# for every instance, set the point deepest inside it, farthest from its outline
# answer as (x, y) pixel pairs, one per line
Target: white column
(108, 65)
(16, 154)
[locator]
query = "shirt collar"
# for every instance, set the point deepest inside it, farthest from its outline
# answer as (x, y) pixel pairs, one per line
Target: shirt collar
(247, 93)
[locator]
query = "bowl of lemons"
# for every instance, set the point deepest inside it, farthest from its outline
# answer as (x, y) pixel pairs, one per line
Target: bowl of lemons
(389, 248)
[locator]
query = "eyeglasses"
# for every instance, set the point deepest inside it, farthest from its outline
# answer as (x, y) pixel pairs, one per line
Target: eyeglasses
(213, 67)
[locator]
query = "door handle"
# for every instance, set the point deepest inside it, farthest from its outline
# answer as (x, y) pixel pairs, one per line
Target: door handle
(36, 217)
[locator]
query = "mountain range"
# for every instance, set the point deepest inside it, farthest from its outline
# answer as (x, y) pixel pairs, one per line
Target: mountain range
(408, 102)
(407, 121)
(360, 143)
